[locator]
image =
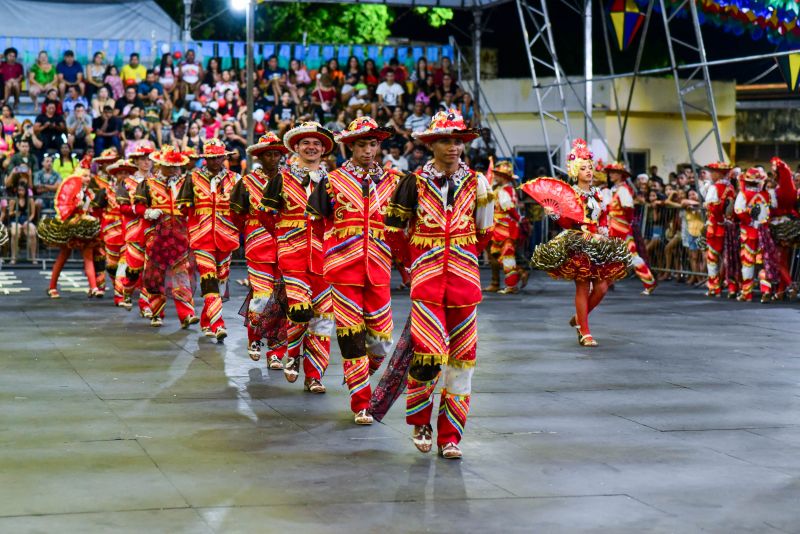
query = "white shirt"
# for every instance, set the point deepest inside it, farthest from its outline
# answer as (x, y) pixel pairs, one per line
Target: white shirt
(400, 164)
(390, 93)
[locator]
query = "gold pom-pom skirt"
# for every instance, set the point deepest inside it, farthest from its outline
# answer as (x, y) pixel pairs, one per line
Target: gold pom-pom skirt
(575, 255)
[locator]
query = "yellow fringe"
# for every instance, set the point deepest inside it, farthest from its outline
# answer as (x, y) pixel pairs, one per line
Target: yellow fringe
(289, 223)
(419, 241)
(383, 336)
(460, 364)
(426, 358)
(209, 211)
(350, 330)
(328, 316)
(395, 210)
(484, 200)
(300, 306)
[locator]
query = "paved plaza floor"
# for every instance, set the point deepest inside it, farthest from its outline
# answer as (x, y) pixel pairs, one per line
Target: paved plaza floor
(685, 419)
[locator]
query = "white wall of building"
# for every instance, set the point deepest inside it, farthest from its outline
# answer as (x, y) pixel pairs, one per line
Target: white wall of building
(654, 121)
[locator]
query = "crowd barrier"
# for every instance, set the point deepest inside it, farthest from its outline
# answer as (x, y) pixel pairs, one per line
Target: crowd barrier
(314, 55)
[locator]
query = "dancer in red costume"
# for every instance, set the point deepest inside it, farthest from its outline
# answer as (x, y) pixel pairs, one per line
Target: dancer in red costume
(503, 246)
(583, 252)
(450, 212)
(752, 209)
(105, 208)
(719, 206)
(620, 221)
(300, 254)
(72, 228)
(213, 236)
(784, 225)
(260, 248)
(134, 229)
(352, 202)
(168, 264)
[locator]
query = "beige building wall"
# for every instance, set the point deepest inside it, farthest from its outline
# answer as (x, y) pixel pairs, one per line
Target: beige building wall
(654, 121)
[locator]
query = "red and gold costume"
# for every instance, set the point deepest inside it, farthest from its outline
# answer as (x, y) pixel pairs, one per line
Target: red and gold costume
(352, 202)
(168, 264)
(449, 220)
(583, 252)
(752, 210)
(620, 223)
(503, 246)
(300, 259)
(784, 225)
(135, 226)
(261, 251)
(718, 202)
(72, 228)
(213, 235)
(108, 211)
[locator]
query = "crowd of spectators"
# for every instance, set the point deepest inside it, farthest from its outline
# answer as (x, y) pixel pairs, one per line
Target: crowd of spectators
(81, 110)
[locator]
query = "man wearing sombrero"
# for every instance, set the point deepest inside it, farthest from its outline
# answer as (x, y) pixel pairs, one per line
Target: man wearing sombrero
(106, 209)
(300, 254)
(260, 248)
(213, 236)
(450, 211)
(134, 227)
(752, 210)
(503, 245)
(352, 201)
(718, 201)
(167, 260)
(620, 221)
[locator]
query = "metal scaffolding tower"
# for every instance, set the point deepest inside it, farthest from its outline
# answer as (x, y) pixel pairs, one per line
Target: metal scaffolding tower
(697, 78)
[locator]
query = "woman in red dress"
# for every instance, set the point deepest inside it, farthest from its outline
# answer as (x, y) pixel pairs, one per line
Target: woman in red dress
(583, 252)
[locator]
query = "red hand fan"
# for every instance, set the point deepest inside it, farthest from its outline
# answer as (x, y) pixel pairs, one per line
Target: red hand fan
(557, 195)
(68, 196)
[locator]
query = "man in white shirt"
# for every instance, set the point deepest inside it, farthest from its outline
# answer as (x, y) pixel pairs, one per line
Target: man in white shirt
(191, 73)
(396, 160)
(417, 121)
(390, 94)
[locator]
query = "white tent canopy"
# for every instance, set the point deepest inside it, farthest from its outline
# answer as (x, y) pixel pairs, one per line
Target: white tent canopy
(109, 19)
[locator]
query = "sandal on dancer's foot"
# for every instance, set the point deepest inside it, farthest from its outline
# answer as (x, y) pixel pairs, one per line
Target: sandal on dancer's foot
(450, 451)
(313, 385)
(254, 350)
(275, 363)
(53, 293)
(422, 438)
(292, 369)
(363, 418)
(156, 322)
(188, 321)
(587, 341)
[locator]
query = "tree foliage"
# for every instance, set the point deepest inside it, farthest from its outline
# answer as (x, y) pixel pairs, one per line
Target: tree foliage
(436, 16)
(325, 23)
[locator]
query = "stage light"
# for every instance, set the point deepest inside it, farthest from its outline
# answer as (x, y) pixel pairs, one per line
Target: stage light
(239, 5)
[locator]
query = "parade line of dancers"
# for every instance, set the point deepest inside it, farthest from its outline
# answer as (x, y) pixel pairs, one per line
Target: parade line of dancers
(320, 245)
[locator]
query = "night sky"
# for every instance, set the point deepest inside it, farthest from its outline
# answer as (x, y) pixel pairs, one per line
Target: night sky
(504, 33)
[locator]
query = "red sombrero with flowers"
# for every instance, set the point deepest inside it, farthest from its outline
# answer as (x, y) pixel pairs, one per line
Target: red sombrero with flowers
(108, 155)
(169, 156)
(720, 166)
(616, 166)
(506, 169)
(363, 128)
(214, 148)
(309, 129)
(268, 141)
(121, 166)
(447, 124)
(754, 174)
(144, 149)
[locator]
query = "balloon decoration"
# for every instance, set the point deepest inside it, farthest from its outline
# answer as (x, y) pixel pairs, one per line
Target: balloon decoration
(775, 20)
(626, 19)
